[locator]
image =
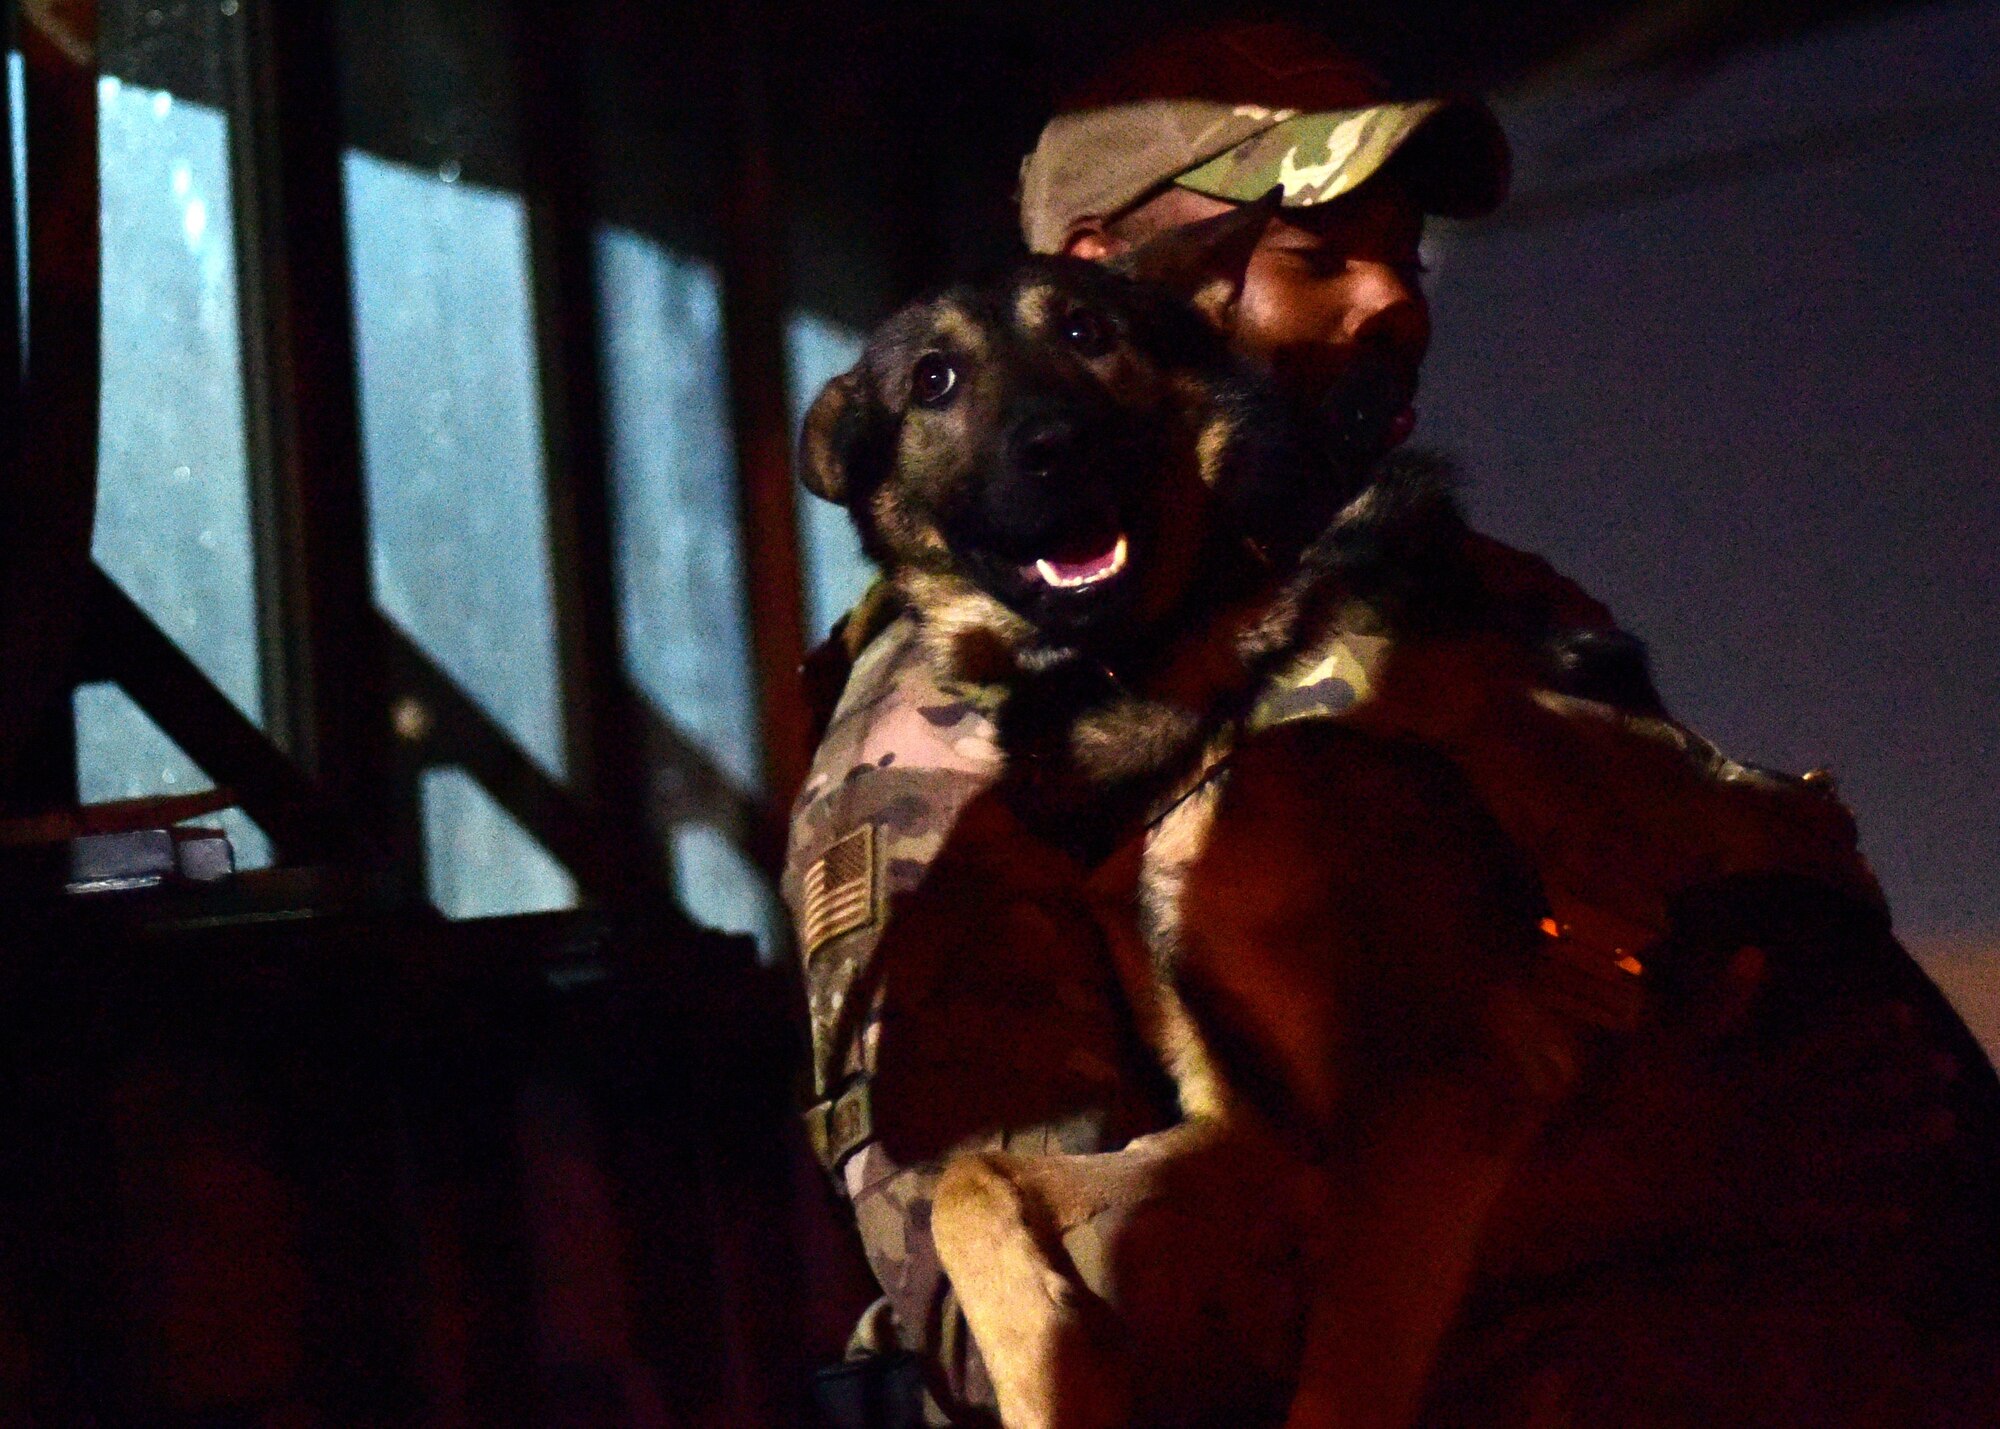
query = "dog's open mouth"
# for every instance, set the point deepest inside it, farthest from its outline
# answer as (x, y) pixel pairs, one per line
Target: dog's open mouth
(1084, 563)
(1072, 576)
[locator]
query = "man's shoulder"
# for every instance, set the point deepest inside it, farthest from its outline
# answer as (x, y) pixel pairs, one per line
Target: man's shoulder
(896, 710)
(1535, 608)
(903, 752)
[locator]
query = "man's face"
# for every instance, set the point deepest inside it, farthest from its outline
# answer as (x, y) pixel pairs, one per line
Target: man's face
(1332, 302)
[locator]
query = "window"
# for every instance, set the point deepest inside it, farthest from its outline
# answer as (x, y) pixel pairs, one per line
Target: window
(122, 754)
(836, 573)
(679, 553)
(173, 515)
(173, 524)
(458, 528)
(446, 284)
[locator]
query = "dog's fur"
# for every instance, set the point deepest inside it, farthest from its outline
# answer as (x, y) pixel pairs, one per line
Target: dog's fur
(1332, 953)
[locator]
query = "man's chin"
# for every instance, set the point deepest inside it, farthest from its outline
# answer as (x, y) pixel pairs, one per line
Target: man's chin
(1364, 421)
(1356, 431)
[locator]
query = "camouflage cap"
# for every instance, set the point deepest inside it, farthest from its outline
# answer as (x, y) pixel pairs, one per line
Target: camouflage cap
(1238, 111)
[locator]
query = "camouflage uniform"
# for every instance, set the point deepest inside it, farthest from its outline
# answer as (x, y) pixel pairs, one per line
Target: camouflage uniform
(897, 809)
(994, 944)
(992, 978)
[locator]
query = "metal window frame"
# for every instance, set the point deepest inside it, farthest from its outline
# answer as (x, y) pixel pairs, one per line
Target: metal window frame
(603, 748)
(48, 446)
(753, 317)
(355, 712)
(324, 667)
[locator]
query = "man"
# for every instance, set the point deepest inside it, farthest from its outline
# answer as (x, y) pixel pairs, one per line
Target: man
(985, 1012)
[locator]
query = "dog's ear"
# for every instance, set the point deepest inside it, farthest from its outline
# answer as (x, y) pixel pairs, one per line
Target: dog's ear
(840, 433)
(1205, 262)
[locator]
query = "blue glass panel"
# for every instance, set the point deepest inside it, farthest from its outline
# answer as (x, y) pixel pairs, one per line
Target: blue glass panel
(836, 573)
(679, 549)
(673, 480)
(720, 887)
(173, 510)
(17, 157)
(452, 438)
(478, 862)
(121, 754)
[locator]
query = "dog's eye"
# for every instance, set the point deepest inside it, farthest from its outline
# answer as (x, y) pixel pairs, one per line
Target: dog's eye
(1087, 331)
(933, 380)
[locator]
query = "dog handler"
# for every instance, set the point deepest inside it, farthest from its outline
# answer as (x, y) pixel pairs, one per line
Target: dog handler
(990, 1015)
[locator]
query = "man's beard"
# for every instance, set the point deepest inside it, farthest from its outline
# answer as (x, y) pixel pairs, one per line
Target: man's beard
(1320, 454)
(1362, 415)
(1355, 421)
(1321, 445)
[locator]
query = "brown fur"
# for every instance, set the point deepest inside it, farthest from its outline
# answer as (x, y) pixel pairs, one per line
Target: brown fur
(1332, 954)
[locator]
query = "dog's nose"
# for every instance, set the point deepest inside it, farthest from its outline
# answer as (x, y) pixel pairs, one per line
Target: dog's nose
(1045, 445)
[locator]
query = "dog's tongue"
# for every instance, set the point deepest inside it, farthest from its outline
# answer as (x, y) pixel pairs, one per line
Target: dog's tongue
(1084, 565)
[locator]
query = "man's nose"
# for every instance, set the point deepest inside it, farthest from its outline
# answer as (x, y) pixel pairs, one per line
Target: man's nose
(1385, 306)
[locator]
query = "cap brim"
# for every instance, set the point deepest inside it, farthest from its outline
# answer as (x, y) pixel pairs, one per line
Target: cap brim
(1453, 154)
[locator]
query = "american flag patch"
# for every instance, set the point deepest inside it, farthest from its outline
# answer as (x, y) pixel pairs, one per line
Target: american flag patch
(840, 890)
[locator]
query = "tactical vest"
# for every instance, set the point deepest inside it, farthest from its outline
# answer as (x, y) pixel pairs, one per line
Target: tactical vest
(903, 756)
(897, 776)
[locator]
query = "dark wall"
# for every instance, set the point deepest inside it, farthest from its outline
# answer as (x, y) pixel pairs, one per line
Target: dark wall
(1731, 358)
(900, 126)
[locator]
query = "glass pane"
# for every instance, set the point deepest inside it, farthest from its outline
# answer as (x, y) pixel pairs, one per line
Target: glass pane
(121, 754)
(173, 510)
(452, 436)
(679, 549)
(17, 158)
(673, 479)
(721, 888)
(836, 573)
(478, 862)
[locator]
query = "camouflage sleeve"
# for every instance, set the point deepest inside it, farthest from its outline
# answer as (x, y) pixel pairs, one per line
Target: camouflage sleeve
(900, 759)
(956, 981)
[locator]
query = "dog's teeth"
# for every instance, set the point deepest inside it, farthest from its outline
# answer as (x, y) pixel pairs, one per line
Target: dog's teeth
(1080, 573)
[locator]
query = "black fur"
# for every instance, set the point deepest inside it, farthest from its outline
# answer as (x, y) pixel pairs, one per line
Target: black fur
(1605, 665)
(1400, 546)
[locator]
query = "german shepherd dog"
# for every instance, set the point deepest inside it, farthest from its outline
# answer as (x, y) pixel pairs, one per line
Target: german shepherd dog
(1388, 960)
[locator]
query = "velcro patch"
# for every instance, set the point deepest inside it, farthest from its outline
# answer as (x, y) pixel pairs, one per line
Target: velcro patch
(840, 890)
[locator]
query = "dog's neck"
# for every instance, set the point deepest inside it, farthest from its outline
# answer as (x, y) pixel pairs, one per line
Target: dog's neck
(1093, 739)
